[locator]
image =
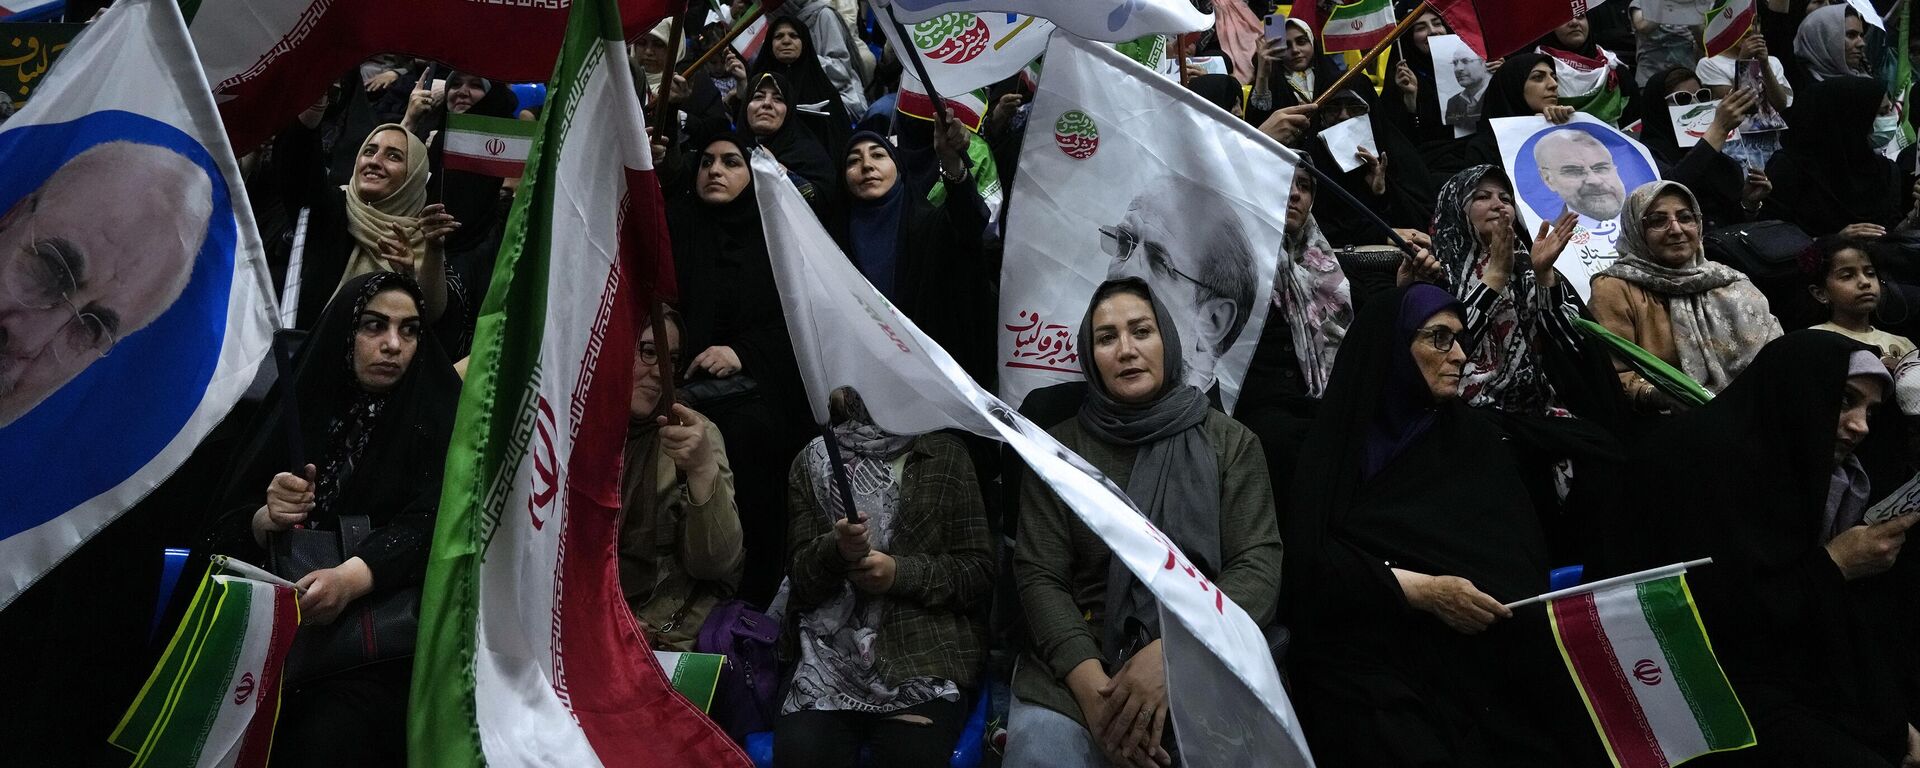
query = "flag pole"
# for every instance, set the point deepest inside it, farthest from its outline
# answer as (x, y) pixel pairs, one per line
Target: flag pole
(919, 67)
(1374, 54)
(662, 356)
(740, 25)
(840, 484)
(1646, 575)
(663, 112)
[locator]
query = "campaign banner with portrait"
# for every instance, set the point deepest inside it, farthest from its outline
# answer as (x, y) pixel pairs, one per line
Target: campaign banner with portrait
(1460, 80)
(1124, 173)
(1583, 165)
(133, 301)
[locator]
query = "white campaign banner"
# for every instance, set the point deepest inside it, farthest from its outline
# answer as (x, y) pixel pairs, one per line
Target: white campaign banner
(1584, 165)
(133, 302)
(1125, 173)
(1221, 674)
(964, 51)
(1111, 21)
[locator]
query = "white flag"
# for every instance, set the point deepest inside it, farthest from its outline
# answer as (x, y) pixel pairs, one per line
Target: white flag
(133, 308)
(1220, 672)
(1125, 173)
(1112, 21)
(963, 51)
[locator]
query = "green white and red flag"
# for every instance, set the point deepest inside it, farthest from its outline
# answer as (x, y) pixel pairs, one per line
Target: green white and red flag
(213, 699)
(528, 654)
(1357, 26)
(969, 107)
(489, 146)
(1727, 22)
(1641, 658)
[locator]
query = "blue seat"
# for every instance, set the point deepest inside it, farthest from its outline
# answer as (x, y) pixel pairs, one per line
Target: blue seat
(967, 753)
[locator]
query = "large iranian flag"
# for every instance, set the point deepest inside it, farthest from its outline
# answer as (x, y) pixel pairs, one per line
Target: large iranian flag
(528, 654)
(1641, 658)
(1357, 26)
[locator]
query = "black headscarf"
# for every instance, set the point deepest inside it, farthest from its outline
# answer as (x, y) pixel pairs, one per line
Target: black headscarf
(714, 245)
(1425, 123)
(809, 81)
(1506, 91)
(1176, 474)
(797, 148)
(1656, 128)
(1744, 480)
(1826, 174)
(378, 454)
(1223, 90)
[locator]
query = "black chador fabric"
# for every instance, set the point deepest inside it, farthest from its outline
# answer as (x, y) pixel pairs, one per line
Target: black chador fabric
(378, 455)
(1378, 682)
(795, 145)
(1407, 203)
(1744, 480)
(810, 84)
(1826, 174)
(1424, 125)
(1506, 97)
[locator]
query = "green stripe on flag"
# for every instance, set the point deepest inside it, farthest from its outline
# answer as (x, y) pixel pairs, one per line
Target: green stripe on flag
(1669, 609)
(1656, 371)
(497, 126)
(205, 677)
(138, 724)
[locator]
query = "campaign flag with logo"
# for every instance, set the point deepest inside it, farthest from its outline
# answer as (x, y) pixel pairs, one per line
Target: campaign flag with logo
(136, 319)
(1220, 674)
(489, 146)
(528, 653)
(1727, 22)
(1357, 26)
(1641, 658)
(1496, 28)
(964, 51)
(270, 59)
(969, 107)
(213, 699)
(1111, 21)
(1123, 173)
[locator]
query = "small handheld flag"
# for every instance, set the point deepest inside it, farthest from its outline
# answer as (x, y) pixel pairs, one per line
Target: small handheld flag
(489, 146)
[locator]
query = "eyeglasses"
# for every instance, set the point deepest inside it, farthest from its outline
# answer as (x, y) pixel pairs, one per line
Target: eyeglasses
(1441, 337)
(1683, 98)
(40, 278)
(1123, 243)
(1662, 221)
(650, 355)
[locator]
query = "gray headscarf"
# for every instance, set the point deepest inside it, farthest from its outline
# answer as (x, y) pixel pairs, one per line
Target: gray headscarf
(1176, 475)
(1821, 42)
(1720, 320)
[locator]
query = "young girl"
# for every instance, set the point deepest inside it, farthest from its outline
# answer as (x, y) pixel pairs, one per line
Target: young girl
(1843, 279)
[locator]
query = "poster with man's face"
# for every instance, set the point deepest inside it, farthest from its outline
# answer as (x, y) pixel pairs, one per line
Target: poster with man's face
(1460, 80)
(1584, 166)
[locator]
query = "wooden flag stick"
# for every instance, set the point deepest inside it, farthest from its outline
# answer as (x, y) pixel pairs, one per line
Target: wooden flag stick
(662, 358)
(740, 25)
(1372, 55)
(662, 111)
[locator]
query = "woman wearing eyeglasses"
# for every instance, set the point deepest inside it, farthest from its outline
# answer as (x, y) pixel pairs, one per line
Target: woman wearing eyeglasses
(1409, 528)
(1703, 318)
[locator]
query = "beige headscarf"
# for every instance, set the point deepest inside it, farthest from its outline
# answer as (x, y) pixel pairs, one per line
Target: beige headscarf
(369, 221)
(660, 32)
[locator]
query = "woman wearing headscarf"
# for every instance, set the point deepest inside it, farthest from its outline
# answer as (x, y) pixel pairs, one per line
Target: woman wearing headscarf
(1223, 90)
(1662, 294)
(1409, 99)
(1392, 181)
(379, 220)
(1095, 666)
(1831, 43)
(741, 370)
(1591, 78)
(1288, 72)
(881, 622)
(372, 400)
(776, 121)
(1401, 556)
(1811, 610)
(1826, 177)
(925, 258)
(1519, 310)
(1525, 85)
(1727, 191)
(789, 51)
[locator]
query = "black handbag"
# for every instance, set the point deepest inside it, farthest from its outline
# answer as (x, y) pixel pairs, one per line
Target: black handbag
(375, 628)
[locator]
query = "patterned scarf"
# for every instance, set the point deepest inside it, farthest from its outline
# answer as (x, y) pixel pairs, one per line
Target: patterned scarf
(1313, 292)
(1501, 371)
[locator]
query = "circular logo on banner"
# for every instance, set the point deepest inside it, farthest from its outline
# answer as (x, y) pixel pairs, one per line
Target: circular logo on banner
(1647, 672)
(1076, 134)
(954, 38)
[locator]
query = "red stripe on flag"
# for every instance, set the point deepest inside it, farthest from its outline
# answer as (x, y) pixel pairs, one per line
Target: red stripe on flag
(1510, 24)
(626, 706)
(920, 105)
(257, 742)
(1734, 30)
(485, 166)
(1622, 723)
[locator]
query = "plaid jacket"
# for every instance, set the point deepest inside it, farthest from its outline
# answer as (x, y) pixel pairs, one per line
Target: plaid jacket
(944, 565)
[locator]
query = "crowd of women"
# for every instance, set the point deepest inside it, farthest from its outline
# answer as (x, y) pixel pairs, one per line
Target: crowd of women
(1417, 444)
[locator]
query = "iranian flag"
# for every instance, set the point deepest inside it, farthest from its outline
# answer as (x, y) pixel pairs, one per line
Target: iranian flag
(215, 695)
(489, 146)
(528, 654)
(1496, 28)
(1357, 26)
(1727, 22)
(969, 107)
(1641, 658)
